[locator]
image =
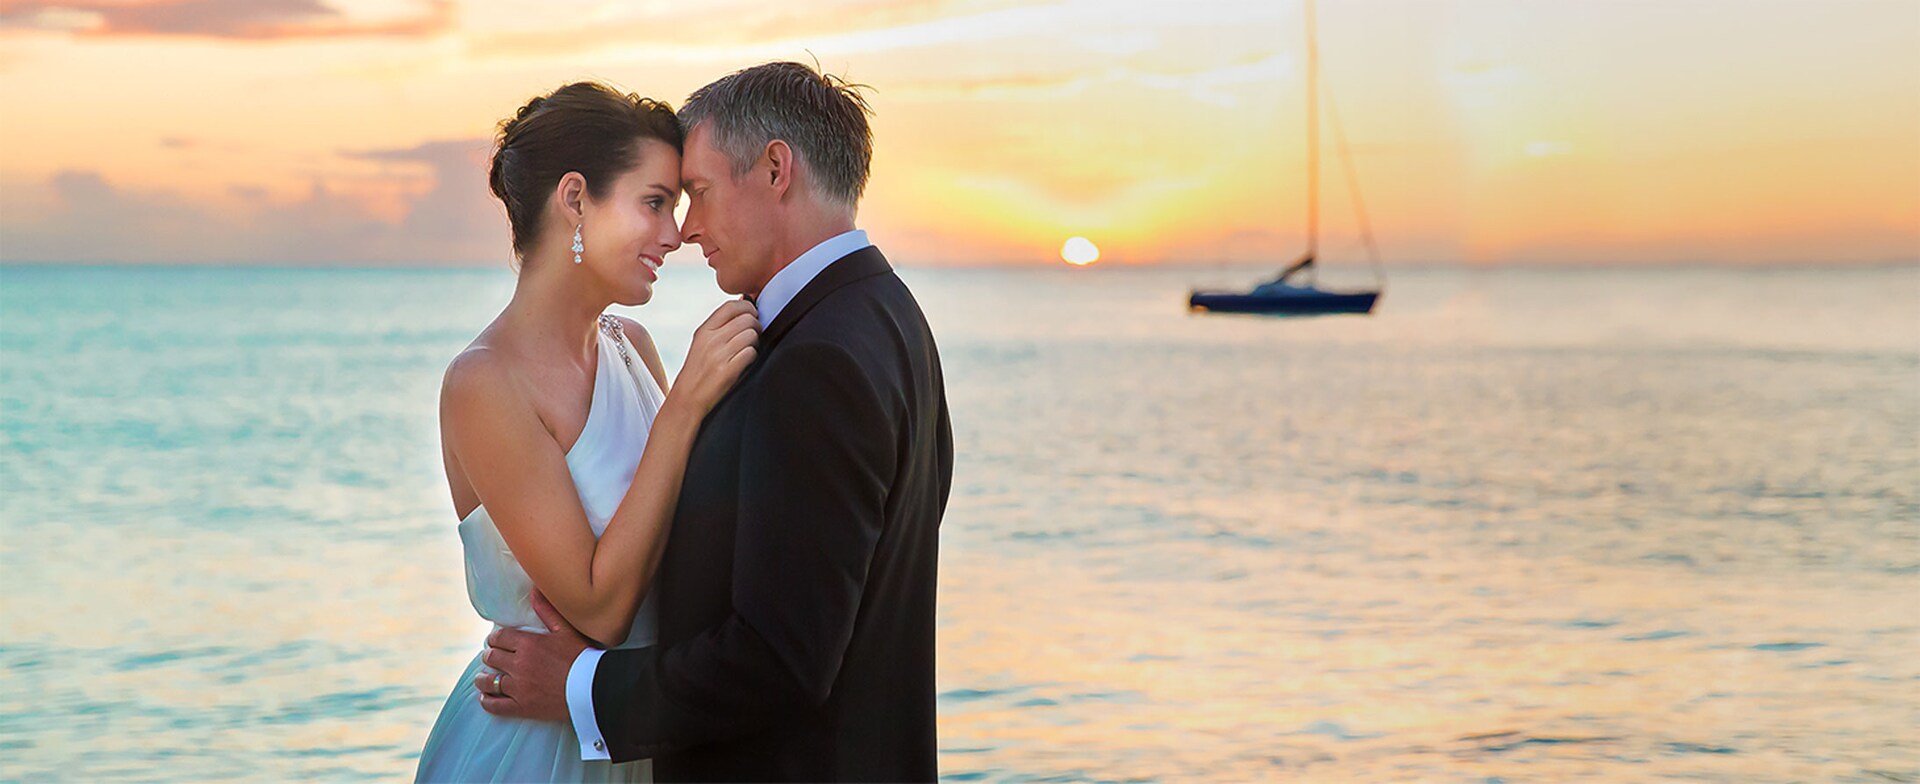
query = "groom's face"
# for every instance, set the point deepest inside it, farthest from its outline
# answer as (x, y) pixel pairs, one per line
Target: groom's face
(729, 218)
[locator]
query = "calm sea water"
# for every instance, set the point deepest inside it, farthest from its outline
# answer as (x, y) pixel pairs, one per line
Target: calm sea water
(1539, 525)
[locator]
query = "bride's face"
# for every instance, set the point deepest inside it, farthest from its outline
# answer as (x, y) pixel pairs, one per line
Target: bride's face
(628, 234)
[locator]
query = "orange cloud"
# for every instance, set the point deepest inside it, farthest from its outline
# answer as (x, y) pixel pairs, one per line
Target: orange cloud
(705, 25)
(230, 19)
(79, 215)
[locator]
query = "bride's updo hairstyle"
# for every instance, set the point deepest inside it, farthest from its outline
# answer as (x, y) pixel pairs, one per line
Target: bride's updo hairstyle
(584, 127)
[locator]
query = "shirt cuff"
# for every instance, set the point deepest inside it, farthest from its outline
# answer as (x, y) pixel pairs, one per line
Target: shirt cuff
(593, 746)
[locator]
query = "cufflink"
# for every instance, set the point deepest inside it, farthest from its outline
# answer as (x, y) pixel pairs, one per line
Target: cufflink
(599, 745)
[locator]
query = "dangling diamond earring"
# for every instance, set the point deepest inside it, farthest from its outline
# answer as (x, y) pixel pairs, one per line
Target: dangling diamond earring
(578, 248)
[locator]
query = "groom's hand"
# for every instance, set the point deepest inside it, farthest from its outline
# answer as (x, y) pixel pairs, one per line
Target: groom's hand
(533, 667)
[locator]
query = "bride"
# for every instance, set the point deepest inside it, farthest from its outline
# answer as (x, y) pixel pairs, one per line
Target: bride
(563, 451)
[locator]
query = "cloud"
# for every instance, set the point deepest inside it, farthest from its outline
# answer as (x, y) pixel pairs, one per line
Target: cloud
(458, 212)
(731, 30)
(1214, 84)
(77, 215)
(749, 30)
(183, 144)
(227, 19)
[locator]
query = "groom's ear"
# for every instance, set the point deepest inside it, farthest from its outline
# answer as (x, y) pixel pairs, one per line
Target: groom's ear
(779, 167)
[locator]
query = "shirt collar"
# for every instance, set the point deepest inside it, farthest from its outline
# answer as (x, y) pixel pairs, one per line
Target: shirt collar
(787, 283)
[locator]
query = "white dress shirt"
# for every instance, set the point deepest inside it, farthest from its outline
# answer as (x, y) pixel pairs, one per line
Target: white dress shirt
(779, 291)
(787, 283)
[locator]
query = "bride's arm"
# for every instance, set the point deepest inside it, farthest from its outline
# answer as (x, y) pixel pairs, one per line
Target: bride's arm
(520, 474)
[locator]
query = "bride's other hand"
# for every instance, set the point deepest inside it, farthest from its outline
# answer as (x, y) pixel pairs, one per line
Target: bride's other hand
(722, 349)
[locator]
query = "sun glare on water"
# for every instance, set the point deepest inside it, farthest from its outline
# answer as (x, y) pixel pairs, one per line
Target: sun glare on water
(1079, 251)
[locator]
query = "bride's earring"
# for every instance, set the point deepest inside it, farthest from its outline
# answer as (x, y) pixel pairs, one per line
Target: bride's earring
(578, 247)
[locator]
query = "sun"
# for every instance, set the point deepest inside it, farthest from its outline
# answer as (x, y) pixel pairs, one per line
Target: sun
(1079, 251)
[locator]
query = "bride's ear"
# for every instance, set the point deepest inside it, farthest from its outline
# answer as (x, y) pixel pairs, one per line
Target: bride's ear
(571, 195)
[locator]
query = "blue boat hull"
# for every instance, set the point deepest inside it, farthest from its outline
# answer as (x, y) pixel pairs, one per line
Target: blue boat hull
(1316, 302)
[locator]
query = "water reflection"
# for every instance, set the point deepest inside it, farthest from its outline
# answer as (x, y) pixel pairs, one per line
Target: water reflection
(1509, 528)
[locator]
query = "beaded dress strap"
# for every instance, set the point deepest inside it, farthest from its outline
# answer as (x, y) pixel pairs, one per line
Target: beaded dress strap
(611, 326)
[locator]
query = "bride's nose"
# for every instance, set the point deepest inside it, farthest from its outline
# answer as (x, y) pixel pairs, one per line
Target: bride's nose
(670, 239)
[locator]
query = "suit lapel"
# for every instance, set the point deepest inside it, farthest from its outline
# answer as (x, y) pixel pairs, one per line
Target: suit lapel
(858, 265)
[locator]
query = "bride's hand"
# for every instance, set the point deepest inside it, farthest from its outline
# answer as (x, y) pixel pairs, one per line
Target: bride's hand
(722, 349)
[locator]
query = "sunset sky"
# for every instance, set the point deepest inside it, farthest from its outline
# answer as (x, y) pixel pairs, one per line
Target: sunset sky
(1483, 131)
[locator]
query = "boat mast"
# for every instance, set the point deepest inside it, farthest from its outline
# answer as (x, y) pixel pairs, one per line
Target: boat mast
(1313, 140)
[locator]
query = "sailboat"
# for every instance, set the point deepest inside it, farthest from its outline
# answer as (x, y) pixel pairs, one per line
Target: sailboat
(1296, 290)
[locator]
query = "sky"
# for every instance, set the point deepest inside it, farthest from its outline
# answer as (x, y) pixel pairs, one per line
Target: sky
(1478, 131)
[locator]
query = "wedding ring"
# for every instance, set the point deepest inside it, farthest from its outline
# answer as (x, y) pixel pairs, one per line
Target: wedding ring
(497, 692)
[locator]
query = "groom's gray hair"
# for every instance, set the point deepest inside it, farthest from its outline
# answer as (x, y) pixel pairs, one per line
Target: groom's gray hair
(821, 116)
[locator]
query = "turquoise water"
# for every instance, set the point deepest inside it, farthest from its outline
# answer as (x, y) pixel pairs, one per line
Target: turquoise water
(1522, 524)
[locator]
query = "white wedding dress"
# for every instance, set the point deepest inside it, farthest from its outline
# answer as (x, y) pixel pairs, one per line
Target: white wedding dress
(469, 744)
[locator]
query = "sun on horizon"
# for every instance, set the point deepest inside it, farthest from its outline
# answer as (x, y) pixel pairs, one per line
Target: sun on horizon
(1079, 251)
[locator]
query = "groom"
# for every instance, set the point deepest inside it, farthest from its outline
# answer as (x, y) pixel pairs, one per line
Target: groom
(796, 595)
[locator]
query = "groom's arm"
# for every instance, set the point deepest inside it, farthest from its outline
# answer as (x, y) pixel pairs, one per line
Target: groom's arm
(816, 466)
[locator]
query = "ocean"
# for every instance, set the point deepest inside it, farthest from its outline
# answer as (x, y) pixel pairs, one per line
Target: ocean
(1521, 524)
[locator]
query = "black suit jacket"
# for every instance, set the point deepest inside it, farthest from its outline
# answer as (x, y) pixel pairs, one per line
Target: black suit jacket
(796, 596)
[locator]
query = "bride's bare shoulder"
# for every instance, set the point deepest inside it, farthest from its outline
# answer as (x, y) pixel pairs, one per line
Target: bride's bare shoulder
(477, 383)
(478, 363)
(643, 342)
(480, 381)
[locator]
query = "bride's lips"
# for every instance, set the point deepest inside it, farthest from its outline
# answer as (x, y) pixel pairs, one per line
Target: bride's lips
(652, 265)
